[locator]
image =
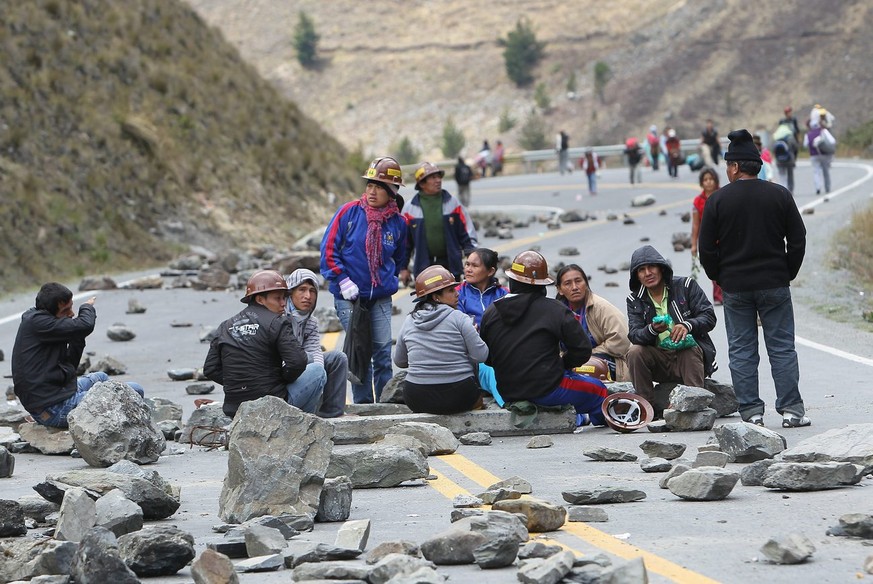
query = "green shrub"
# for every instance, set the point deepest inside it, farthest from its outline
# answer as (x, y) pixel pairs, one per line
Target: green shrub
(542, 99)
(306, 41)
(533, 133)
(860, 137)
(571, 82)
(602, 76)
(522, 52)
(405, 152)
(506, 122)
(453, 139)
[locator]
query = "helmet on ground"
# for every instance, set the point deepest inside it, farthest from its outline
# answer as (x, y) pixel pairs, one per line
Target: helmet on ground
(432, 279)
(595, 367)
(625, 412)
(529, 267)
(385, 170)
(264, 281)
(426, 169)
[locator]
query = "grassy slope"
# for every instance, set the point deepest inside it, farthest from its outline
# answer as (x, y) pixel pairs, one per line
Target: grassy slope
(127, 129)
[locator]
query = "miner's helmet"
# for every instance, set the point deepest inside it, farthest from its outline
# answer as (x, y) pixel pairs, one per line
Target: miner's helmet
(424, 170)
(433, 279)
(595, 367)
(264, 281)
(529, 267)
(385, 171)
(625, 412)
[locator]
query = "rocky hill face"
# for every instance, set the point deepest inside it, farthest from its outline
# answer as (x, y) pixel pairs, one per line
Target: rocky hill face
(391, 68)
(130, 128)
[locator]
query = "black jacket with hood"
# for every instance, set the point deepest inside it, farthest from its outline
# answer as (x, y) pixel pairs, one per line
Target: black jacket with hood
(687, 304)
(525, 334)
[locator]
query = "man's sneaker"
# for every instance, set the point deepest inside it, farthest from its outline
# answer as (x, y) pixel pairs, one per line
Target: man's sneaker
(582, 420)
(792, 421)
(757, 420)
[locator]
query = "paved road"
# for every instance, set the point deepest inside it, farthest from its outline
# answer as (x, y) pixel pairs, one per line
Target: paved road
(680, 541)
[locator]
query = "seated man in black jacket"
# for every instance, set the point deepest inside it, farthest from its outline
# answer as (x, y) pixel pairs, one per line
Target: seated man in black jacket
(46, 354)
(534, 342)
(256, 352)
(669, 320)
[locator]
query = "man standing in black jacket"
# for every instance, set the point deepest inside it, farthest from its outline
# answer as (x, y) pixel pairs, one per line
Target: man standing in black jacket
(46, 354)
(752, 242)
(256, 352)
(534, 342)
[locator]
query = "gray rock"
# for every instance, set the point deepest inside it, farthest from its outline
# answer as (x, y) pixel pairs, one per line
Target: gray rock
(263, 541)
(541, 441)
(392, 547)
(211, 278)
(689, 421)
(7, 463)
(491, 497)
(404, 441)
(587, 514)
(56, 579)
(655, 465)
(657, 427)
(601, 495)
(97, 560)
(353, 534)
(77, 516)
(568, 251)
(868, 564)
(548, 571)
(855, 525)
(135, 307)
(273, 443)
(335, 501)
(711, 458)
(97, 283)
(793, 549)
(603, 453)
(685, 398)
(476, 439)
(496, 552)
(164, 409)
(660, 449)
(11, 417)
(155, 502)
(269, 563)
(277, 523)
(752, 475)
(462, 501)
(118, 514)
(169, 429)
(854, 444)
(113, 423)
(495, 524)
(109, 366)
(328, 321)
(439, 440)
(748, 442)
(514, 483)
(537, 549)
(181, 374)
(373, 465)
(25, 558)
(542, 516)
(423, 575)
(678, 469)
(121, 333)
(458, 514)
(160, 550)
(587, 574)
(453, 547)
(338, 570)
(232, 547)
(201, 425)
(392, 393)
(199, 388)
(47, 440)
(643, 200)
(725, 400)
(11, 519)
(212, 567)
(299, 552)
(632, 571)
(703, 484)
(402, 568)
(811, 476)
(37, 508)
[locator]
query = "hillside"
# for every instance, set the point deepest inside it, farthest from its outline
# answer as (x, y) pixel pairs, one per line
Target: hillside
(391, 68)
(130, 129)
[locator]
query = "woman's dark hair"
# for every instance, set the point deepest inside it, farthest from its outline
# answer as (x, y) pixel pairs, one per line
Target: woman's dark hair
(712, 173)
(488, 256)
(51, 296)
(563, 271)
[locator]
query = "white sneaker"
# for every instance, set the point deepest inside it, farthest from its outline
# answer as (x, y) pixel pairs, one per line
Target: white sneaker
(792, 421)
(756, 419)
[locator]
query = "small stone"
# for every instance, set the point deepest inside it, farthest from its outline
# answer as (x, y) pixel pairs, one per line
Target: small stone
(537, 549)
(515, 483)
(655, 465)
(794, 549)
(601, 495)
(213, 568)
(476, 439)
(181, 374)
(711, 458)
(587, 514)
(660, 449)
(134, 307)
(602, 453)
(120, 332)
(466, 501)
(540, 441)
(678, 469)
(704, 484)
(199, 388)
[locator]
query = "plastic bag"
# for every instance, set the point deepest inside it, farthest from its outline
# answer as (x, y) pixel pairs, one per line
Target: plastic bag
(669, 343)
(358, 345)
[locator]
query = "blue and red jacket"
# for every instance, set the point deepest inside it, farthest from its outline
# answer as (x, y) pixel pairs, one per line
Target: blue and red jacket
(459, 232)
(473, 302)
(343, 252)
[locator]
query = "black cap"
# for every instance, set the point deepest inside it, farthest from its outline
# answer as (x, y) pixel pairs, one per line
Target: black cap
(742, 147)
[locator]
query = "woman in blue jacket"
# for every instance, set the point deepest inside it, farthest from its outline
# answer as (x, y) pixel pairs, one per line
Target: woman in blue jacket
(480, 287)
(362, 251)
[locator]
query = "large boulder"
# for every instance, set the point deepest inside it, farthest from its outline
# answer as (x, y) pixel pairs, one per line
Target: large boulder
(97, 560)
(376, 465)
(704, 484)
(46, 439)
(113, 423)
(745, 442)
(277, 460)
(202, 426)
(854, 444)
(25, 559)
(160, 550)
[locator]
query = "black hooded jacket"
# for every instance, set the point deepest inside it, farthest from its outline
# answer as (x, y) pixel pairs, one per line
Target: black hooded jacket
(525, 334)
(687, 305)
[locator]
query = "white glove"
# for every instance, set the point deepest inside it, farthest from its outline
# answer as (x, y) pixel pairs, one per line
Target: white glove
(349, 289)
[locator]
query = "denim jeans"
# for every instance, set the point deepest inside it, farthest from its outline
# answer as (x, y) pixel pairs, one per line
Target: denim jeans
(380, 371)
(821, 172)
(333, 400)
(305, 392)
(741, 311)
(592, 183)
(56, 415)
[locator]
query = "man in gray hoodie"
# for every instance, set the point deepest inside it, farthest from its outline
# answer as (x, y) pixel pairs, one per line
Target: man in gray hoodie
(302, 297)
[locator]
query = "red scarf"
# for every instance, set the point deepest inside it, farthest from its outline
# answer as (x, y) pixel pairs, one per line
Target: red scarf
(376, 217)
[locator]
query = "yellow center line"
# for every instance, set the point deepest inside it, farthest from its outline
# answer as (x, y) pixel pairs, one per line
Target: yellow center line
(583, 531)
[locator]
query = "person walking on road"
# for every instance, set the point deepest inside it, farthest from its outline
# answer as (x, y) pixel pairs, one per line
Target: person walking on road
(821, 145)
(673, 148)
(562, 147)
(710, 148)
(634, 156)
(440, 228)
(463, 178)
(362, 252)
(752, 242)
(590, 164)
(653, 146)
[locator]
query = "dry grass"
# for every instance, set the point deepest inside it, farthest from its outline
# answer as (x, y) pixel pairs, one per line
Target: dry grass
(854, 247)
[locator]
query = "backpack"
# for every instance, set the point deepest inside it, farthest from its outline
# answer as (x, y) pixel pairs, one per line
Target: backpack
(824, 145)
(782, 151)
(463, 175)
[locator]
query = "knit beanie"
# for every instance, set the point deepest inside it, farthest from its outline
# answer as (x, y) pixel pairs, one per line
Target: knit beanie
(742, 147)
